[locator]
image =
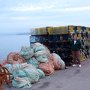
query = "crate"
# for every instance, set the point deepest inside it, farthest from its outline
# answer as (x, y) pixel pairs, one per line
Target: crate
(79, 29)
(87, 29)
(83, 28)
(61, 30)
(53, 38)
(58, 30)
(79, 36)
(71, 29)
(82, 57)
(51, 31)
(32, 39)
(43, 31)
(65, 37)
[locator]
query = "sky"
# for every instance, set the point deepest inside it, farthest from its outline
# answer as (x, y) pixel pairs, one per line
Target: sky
(24, 15)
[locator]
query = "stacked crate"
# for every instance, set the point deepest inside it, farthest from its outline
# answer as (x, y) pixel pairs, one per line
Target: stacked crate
(83, 33)
(71, 29)
(56, 38)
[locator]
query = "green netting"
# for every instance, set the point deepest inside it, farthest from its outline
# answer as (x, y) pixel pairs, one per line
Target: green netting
(41, 73)
(26, 52)
(33, 62)
(26, 70)
(32, 74)
(21, 83)
(42, 58)
(19, 73)
(9, 67)
(39, 48)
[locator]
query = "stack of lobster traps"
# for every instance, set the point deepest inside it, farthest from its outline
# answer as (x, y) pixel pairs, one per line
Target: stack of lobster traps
(57, 39)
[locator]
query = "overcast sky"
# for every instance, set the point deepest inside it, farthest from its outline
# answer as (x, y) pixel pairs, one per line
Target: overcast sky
(22, 15)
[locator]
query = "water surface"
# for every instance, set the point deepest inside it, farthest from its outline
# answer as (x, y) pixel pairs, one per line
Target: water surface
(12, 43)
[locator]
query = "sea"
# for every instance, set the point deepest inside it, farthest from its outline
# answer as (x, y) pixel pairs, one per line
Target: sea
(12, 43)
